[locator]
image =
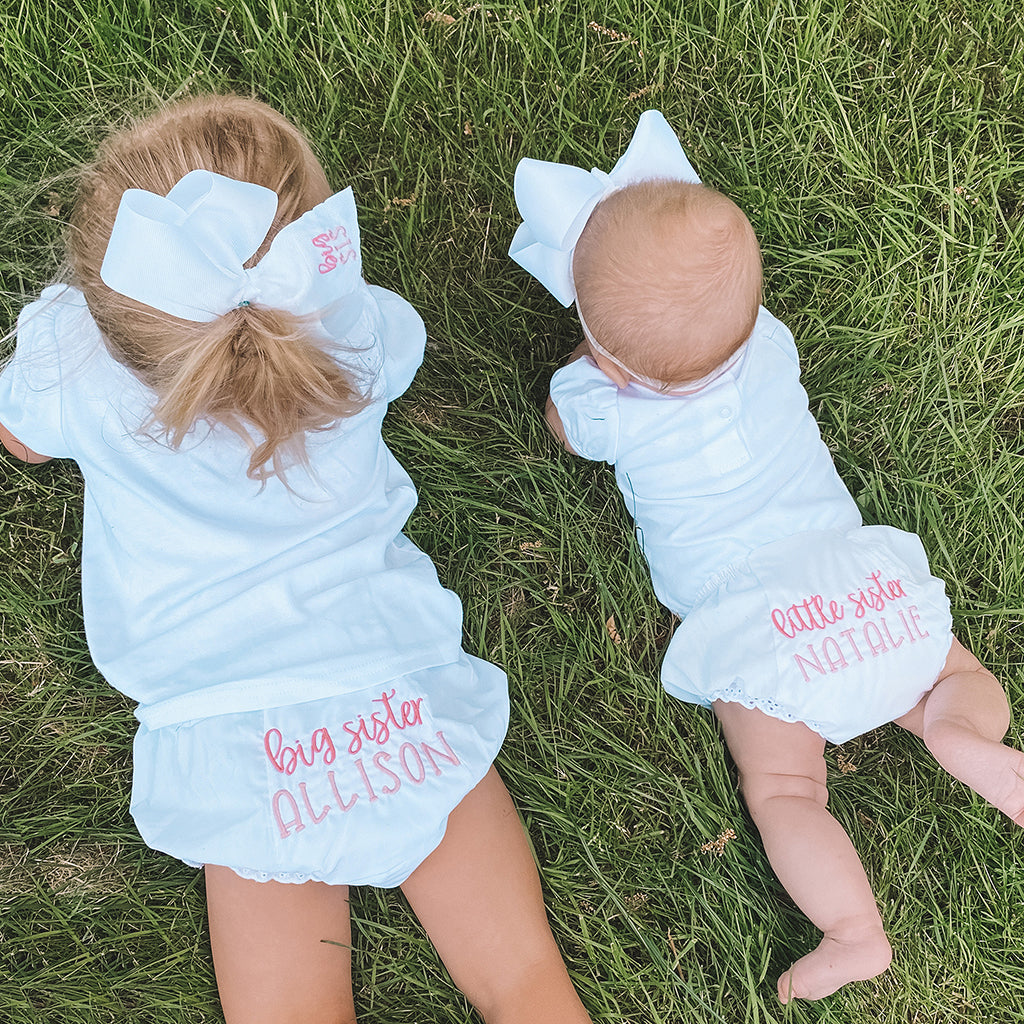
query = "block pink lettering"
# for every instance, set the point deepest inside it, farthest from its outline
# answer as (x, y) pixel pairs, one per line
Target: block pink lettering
(338, 798)
(317, 818)
(366, 782)
(833, 654)
(380, 760)
(893, 642)
(847, 634)
(915, 619)
(294, 822)
(873, 638)
(814, 662)
(403, 755)
(449, 755)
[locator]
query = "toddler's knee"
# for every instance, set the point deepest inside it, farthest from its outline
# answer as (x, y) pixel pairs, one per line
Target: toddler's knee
(759, 788)
(523, 990)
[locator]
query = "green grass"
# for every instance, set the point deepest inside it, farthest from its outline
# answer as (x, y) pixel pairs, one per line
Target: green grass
(877, 149)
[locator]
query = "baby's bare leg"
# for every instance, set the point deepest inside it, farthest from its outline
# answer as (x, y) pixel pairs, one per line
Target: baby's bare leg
(281, 952)
(962, 721)
(782, 776)
(478, 897)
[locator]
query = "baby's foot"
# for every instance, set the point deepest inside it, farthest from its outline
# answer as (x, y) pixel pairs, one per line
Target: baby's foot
(992, 769)
(834, 963)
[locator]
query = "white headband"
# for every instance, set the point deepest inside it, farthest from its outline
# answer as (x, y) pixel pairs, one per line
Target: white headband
(556, 200)
(184, 253)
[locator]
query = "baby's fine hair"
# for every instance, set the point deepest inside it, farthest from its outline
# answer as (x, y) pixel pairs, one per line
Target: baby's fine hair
(261, 372)
(668, 278)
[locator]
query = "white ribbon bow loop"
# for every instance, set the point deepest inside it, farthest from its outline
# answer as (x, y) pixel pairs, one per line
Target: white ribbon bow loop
(184, 253)
(556, 200)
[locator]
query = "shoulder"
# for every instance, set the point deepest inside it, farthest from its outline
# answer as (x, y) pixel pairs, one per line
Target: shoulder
(403, 338)
(588, 408)
(55, 332)
(769, 330)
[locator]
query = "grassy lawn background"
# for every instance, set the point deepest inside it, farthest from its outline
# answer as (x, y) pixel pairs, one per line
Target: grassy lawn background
(877, 148)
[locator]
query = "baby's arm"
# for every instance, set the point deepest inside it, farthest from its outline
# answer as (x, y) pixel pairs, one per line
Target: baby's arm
(555, 425)
(554, 421)
(19, 450)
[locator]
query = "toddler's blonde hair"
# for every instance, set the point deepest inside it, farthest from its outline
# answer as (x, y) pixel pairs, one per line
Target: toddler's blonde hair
(261, 372)
(668, 278)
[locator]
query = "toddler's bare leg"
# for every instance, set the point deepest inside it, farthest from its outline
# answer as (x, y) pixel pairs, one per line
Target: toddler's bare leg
(478, 897)
(962, 720)
(281, 952)
(782, 776)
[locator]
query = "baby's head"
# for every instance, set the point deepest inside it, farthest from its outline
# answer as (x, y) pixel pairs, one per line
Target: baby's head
(668, 279)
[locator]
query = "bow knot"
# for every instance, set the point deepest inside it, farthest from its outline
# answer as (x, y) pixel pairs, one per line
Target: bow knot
(556, 200)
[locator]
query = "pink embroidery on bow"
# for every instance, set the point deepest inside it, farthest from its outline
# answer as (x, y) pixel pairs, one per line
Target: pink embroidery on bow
(334, 252)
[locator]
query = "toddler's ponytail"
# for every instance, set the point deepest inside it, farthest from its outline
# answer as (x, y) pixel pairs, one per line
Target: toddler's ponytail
(257, 368)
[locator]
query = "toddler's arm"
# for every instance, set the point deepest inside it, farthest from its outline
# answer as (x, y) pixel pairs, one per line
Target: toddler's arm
(19, 450)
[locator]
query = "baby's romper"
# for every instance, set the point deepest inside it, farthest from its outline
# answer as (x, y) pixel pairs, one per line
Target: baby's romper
(306, 709)
(789, 604)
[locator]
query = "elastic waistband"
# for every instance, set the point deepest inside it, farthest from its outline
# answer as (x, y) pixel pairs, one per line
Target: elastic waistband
(243, 695)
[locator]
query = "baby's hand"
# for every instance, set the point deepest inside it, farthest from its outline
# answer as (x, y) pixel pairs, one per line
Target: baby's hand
(554, 422)
(582, 349)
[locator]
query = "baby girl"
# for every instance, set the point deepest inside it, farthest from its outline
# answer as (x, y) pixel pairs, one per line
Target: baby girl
(800, 625)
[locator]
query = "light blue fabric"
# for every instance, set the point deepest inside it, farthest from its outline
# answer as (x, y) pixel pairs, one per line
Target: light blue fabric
(712, 479)
(208, 594)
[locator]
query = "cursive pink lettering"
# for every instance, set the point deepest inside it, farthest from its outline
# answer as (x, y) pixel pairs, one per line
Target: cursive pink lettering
(877, 594)
(811, 613)
(287, 758)
(383, 722)
(335, 247)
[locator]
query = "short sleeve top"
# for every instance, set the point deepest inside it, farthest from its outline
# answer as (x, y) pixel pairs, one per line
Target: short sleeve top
(711, 475)
(201, 585)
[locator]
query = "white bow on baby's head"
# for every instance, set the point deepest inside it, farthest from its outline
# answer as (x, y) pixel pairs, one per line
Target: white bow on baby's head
(556, 200)
(183, 253)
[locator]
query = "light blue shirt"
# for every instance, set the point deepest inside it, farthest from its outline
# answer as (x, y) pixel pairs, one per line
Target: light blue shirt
(204, 591)
(709, 477)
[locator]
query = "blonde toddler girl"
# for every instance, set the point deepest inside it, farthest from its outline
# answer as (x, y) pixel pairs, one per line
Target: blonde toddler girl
(219, 370)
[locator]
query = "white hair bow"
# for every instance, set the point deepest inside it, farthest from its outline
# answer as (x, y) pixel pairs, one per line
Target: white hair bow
(556, 200)
(183, 253)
